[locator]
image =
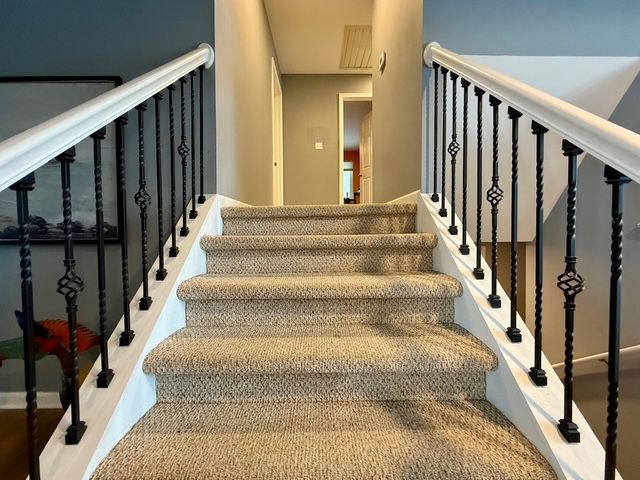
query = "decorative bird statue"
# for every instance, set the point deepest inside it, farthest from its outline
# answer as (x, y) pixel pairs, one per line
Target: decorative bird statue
(51, 337)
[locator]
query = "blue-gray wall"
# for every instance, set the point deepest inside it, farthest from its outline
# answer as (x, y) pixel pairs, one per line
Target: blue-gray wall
(94, 37)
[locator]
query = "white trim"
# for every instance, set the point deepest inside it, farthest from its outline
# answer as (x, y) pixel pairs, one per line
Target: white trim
(277, 141)
(342, 98)
(600, 356)
(611, 143)
(17, 401)
(25, 152)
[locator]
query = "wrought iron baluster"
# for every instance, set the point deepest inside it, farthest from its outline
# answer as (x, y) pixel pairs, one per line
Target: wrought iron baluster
(494, 196)
(193, 213)
(478, 271)
(434, 196)
(443, 211)
(571, 284)
(173, 250)
(183, 151)
(143, 199)
(22, 189)
(537, 374)
(453, 150)
(464, 248)
(161, 273)
(617, 182)
(69, 285)
(106, 374)
(126, 337)
(513, 332)
(201, 198)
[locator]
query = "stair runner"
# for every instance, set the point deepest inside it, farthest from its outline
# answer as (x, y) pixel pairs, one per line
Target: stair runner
(322, 345)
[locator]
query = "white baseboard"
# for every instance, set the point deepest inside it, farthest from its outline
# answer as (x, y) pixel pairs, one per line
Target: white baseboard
(16, 400)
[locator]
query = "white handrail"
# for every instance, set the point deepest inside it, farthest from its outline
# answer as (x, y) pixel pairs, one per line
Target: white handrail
(25, 152)
(611, 143)
(600, 356)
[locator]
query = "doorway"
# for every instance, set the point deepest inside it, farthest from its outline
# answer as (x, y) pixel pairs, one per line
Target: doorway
(277, 143)
(355, 166)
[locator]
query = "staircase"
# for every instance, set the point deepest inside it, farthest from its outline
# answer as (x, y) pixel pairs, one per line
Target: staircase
(322, 345)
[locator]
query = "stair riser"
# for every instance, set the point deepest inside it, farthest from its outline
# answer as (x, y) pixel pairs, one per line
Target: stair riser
(209, 388)
(363, 224)
(244, 312)
(257, 262)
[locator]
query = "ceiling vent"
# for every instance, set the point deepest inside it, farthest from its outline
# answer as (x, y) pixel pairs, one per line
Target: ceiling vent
(356, 47)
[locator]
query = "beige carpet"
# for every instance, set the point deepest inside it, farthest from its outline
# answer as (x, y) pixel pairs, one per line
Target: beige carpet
(329, 356)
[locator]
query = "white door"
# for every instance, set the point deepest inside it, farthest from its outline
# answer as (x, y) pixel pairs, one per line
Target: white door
(276, 109)
(366, 161)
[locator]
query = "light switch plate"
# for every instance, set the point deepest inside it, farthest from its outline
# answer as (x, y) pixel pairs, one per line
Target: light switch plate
(319, 146)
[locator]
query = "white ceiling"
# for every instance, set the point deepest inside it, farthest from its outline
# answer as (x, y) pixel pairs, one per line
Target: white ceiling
(354, 112)
(308, 33)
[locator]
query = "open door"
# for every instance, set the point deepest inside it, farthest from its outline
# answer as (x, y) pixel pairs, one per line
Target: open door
(276, 111)
(366, 161)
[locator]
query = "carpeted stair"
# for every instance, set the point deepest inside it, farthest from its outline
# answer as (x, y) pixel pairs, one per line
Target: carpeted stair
(321, 345)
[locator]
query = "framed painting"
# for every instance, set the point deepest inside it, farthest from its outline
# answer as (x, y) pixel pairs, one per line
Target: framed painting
(29, 101)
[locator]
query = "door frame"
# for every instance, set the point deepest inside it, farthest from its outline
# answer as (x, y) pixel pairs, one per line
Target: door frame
(342, 98)
(277, 143)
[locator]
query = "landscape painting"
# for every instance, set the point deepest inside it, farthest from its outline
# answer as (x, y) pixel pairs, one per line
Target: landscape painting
(30, 102)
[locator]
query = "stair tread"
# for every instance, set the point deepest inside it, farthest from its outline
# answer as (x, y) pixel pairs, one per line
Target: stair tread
(390, 285)
(391, 440)
(324, 242)
(307, 211)
(320, 349)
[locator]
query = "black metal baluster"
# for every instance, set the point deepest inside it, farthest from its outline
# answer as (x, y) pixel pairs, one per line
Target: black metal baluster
(478, 271)
(126, 337)
(617, 182)
(513, 332)
(443, 211)
(161, 273)
(201, 198)
(464, 248)
(193, 213)
(143, 199)
(434, 196)
(571, 284)
(494, 196)
(537, 374)
(106, 374)
(453, 150)
(69, 285)
(22, 189)
(173, 250)
(183, 151)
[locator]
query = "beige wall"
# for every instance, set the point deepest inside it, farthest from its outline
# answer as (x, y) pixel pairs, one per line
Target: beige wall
(397, 93)
(311, 114)
(244, 48)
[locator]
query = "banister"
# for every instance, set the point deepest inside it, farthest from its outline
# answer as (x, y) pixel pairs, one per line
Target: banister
(614, 145)
(601, 356)
(25, 152)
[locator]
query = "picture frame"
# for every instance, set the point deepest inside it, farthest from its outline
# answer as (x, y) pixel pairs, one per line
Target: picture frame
(29, 101)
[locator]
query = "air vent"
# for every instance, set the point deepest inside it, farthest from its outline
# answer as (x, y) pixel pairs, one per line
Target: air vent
(356, 47)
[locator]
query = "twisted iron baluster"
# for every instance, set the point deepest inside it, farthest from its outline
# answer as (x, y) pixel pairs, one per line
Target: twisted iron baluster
(537, 374)
(201, 198)
(173, 250)
(464, 248)
(193, 213)
(453, 150)
(513, 332)
(106, 374)
(617, 181)
(126, 337)
(142, 199)
(478, 271)
(69, 285)
(494, 196)
(161, 273)
(183, 151)
(443, 211)
(22, 187)
(434, 196)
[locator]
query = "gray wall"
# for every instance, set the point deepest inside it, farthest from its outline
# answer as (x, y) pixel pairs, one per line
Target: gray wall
(397, 107)
(93, 37)
(311, 114)
(243, 79)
